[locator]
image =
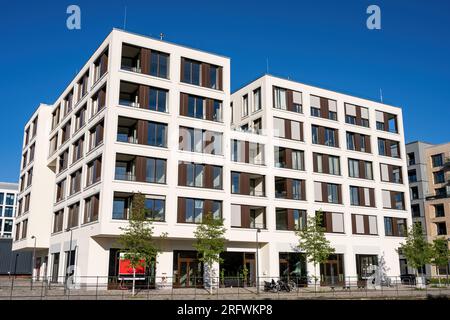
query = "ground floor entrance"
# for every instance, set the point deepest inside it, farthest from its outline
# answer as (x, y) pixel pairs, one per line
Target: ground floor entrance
(187, 269)
(293, 267)
(332, 271)
(238, 269)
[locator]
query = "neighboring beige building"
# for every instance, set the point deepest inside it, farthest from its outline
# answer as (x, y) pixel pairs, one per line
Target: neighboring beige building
(437, 205)
(429, 179)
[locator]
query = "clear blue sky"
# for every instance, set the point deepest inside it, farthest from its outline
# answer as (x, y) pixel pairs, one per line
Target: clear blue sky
(323, 43)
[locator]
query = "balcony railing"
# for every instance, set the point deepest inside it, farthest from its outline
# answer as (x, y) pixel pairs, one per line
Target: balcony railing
(125, 176)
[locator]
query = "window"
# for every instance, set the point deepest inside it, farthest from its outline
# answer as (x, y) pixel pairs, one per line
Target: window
(288, 129)
(333, 165)
(350, 141)
(195, 175)
(414, 193)
(157, 99)
(191, 71)
(198, 140)
(63, 160)
(411, 159)
(159, 64)
(121, 207)
(68, 103)
(61, 190)
(364, 224)
(155, 209)
(354, 196)
(98, 101)
(101, 66)
(155, 170)
(395, 227)
(441, 229)
(96, 136)
(24, 228)
(437, 160)
(286, 188)
(9, 201)
(332, 222)
(257, 104)
(192, 210)
(83, 86)
(381, 147)
(391, 173)
(91, 208)
(65, 132)
(74, 211)
(280, 98)
(298, 160)
(32, 149)
(439, 177)
(415, 210)
(214, 77)
(353, 168)
(439, 210)
(290, 219)
(315, 134)
(55, 117)
(235, 185)
(75, 182)
(412, 176)
(157, 134)
(356, 115)
(323, 107)
(245, 105)
(8, 212)
(368, 170)
(80, 118)
(196, 107)
(94, 171)
(332, 193)
(78, 149)
(58, 218)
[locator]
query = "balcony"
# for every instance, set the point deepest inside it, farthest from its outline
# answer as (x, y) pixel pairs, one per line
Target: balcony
(125, 169)
(129, 94)
(127, 130)
(131, 58)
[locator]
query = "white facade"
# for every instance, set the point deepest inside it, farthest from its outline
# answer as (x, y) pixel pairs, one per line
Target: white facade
(95, 231)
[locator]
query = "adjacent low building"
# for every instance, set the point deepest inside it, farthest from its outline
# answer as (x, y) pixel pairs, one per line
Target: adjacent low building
(148, 116)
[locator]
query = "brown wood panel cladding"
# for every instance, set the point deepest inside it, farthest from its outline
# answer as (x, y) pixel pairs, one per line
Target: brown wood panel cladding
(181, 217)
(184, 100)
(208, 207)
(287, 129)
(208, 177)
(357, 141)
(322, 135)
(209, 109)
(325, 163)
(361, 199)
(245, 216)
(336, 137)
(145, 60)
(339, 189)
(288, 154)
(141, 165)
(315, 164)
(290, 219)
(143, 97)
(367, 146)
(324, 192)
(328, 221)
(372, 197)
(387, 146)
(362, 169)
(301, 132)
(290, 100)
(353, 224)
(289, 194)
(182, 68)
(244, 183)
(104, 63)
(386, 121)
(220, 78)
(303, 189)
(142, 132)
(247, 152)
(324, 108)
(205, 81)
(182, 174)
(358, 115)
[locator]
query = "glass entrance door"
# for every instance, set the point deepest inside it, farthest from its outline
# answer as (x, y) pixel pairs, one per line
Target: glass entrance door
(188, 270)
(332, 271)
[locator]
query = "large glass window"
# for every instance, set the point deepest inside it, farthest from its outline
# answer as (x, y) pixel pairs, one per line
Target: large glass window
(159, 64)
(196, 107)
(353, 167)
(333, 196)
(154, 209)
(191, 72)
(280, 98)
(157, 134)
(158, 99)
(156, 170)
(315, 134)
(437, 160)
(333, 165)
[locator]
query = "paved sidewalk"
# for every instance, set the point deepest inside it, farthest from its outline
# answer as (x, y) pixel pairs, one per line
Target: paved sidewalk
(23, 289)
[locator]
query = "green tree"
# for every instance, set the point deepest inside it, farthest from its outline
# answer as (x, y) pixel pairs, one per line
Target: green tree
(440, 255)
(313, 242)
(416, 249)
(210, 242)
(137, 240)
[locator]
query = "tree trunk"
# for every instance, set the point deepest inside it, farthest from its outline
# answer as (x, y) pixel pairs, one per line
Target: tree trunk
(438, 276)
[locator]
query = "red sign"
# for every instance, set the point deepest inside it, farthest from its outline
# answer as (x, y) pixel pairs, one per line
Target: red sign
(126, 269)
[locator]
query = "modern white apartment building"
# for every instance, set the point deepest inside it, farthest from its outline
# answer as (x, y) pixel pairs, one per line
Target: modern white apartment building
(147, 116)
(8, 202)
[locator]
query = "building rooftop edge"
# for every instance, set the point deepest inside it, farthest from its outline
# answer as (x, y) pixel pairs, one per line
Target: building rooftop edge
(310, 85)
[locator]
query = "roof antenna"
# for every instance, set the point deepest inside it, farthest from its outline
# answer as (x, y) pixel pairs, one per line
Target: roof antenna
(267, 65)
(381, 95)
(125, 19)
(161, 36)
